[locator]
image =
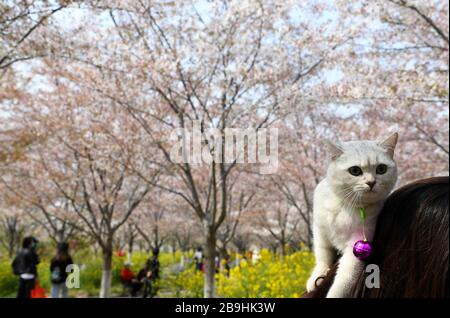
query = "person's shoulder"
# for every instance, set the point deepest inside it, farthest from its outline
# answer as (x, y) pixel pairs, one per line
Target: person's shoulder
(20, 252)
(26, 252)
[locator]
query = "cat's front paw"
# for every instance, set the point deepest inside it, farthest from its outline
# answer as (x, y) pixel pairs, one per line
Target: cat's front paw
(312, 281)
(311, 284)
(316, 278)
(335, 292)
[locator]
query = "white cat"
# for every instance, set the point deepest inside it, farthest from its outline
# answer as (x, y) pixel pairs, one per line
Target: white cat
(360, 174)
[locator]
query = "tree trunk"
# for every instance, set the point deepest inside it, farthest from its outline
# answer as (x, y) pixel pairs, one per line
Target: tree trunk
(210, 254)
(95, 248)
(130, 245)
(274, 249)
(282, 250)
(13, 235)
(223, 252)
(174, 250)
(309, 243)
(105, 288)
(11, 245)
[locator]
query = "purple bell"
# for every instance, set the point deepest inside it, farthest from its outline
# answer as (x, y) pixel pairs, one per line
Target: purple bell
(362, 250)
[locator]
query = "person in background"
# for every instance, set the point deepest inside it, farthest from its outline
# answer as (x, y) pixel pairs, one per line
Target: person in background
(152, 274)
(132, 283)
(255, 256)
(140, 281)
(25, 266)
(202, 264)
(152, 265)
(126, 275)
(58, 270)
(217, 264)
(227, 265)
(198, 257)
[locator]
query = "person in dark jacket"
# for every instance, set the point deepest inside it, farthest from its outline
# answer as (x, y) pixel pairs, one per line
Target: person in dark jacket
(152, 274)
(58, 270)
(25, 266)
(152, 265)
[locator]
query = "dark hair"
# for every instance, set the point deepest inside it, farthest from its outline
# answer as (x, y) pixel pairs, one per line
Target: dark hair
(155, 251)
(62, 253)
(410, 245)
(28, 241)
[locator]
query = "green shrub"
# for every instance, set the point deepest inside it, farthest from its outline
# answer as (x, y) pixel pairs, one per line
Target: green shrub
(8, 281)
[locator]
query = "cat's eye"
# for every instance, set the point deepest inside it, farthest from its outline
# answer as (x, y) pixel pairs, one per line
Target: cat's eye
(355, 171)
(381, 169)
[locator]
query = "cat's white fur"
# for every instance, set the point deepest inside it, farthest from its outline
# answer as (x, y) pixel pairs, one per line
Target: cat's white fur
(337, 225)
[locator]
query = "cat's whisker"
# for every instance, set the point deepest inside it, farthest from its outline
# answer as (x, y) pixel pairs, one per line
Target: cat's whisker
(343, 191)
(344, 198)
(351, 202)
(356, 201)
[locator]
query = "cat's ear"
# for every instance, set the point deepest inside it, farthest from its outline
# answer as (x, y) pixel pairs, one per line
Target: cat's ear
(333, 150)
(389, 144)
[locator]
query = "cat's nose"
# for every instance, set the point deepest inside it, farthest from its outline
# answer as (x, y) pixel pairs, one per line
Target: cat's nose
(371, 184)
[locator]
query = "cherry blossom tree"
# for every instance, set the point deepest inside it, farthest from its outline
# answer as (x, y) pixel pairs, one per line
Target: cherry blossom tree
(153, 219)
(22, 29)
(87, 157)
(127, 237)
(13, 223)
(394, 75)
(276, 221)
(184, 227)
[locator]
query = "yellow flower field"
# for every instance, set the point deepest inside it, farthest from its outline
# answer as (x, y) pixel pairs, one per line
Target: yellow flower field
(269, 277)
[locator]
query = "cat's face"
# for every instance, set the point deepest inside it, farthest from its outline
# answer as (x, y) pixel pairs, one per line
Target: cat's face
(362, 172)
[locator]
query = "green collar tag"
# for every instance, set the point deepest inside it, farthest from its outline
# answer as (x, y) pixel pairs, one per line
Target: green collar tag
(362, 213)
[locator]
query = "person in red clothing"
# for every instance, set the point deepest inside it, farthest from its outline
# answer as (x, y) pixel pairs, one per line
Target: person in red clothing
(203, 264)
(132, 283)
(127, 275)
